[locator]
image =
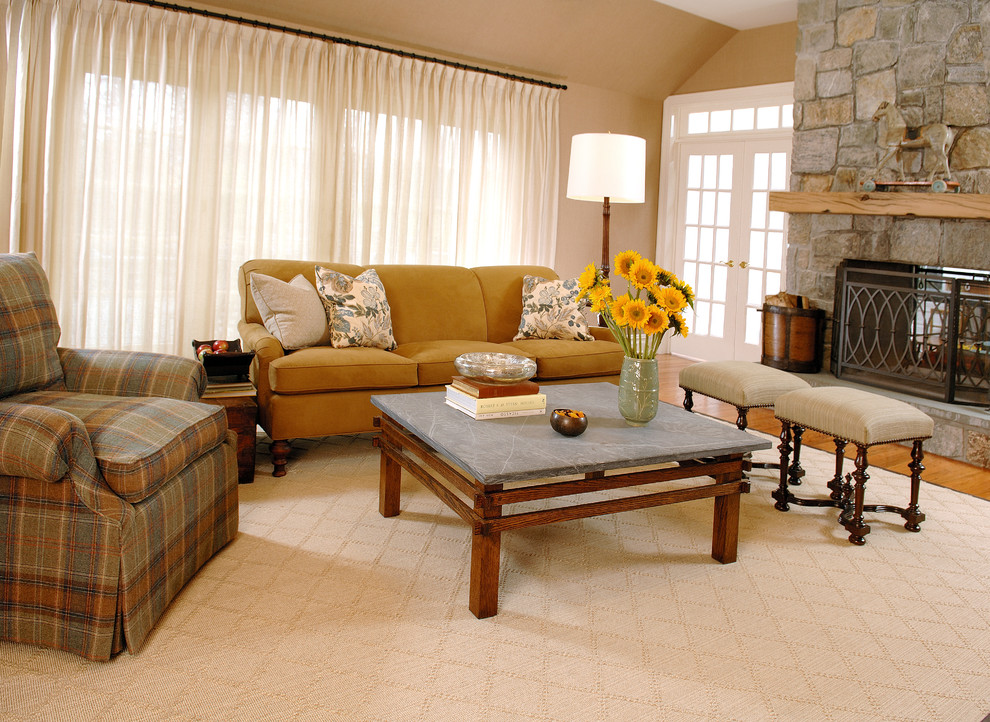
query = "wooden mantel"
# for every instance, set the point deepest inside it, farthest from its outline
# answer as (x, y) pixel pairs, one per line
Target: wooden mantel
(927, 205)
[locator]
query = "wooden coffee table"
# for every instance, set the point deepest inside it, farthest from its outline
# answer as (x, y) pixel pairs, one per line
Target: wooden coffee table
(479, 467)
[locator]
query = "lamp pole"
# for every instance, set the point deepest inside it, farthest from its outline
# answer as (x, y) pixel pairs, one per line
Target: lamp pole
(606, 212)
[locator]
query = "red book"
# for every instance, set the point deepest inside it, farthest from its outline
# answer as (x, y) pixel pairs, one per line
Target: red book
(483, 390)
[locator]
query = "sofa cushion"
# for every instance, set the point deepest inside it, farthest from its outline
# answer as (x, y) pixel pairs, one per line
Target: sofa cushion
(434, 303)
(502, 290)
(322, 368)
(357, 307)
(139, 442)
(559, 359)
(292, 312)
(435, 359)
(29, 329)
(550, 310)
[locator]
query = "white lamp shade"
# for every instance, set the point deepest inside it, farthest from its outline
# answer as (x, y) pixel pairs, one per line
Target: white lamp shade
(607, 165)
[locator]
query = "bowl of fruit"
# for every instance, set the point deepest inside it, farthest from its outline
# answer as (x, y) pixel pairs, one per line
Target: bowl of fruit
(222, 358)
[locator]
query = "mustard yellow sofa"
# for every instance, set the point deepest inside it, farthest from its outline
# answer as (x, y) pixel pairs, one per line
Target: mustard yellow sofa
(438, 313)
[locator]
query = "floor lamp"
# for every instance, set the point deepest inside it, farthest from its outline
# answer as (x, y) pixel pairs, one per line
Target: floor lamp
(610, 168)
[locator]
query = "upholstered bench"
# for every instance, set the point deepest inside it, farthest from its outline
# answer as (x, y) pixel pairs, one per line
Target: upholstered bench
(743, 384)
(865, 419)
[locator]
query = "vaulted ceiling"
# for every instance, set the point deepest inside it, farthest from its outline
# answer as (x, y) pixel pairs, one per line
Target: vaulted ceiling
(639, 47)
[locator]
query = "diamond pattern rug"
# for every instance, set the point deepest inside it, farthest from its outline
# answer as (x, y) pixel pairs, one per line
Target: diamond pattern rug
(322, 609)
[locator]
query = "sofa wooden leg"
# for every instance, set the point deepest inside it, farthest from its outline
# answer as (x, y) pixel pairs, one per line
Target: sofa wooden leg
(280, 455)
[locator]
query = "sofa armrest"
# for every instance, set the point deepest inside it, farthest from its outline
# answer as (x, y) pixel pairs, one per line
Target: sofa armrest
(36, 442)
(132, 373)
(601, 333)
(255, 337)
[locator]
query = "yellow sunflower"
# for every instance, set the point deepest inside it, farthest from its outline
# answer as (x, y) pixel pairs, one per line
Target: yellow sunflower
(671, 299)
(618, 310)
(587, 278)
(643, 273)
(679, 325)
(657, 322)
(624, 262)
(599, 297)
(636, 313)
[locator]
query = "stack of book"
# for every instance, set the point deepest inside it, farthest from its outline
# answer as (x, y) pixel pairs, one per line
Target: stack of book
(228, 389)
(481, 400)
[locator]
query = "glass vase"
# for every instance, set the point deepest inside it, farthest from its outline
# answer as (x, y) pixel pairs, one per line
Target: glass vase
(639, 390)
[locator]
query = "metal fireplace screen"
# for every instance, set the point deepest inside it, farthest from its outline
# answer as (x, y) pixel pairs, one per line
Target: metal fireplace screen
(920, 330)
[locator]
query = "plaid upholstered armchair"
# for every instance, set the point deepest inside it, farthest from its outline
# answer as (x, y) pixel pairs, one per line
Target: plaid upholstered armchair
(115, 487)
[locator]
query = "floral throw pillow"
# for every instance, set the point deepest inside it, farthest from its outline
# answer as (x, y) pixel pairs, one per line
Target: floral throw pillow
(550, 310)
(357, 308)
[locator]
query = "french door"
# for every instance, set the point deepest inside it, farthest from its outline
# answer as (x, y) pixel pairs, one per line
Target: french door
(718, 232)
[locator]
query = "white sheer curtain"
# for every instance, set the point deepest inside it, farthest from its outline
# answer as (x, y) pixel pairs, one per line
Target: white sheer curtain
(146, 153)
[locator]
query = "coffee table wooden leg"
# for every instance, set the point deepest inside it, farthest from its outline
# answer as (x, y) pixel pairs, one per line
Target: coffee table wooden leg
(486, 552)
(725, 528)
(388, 486)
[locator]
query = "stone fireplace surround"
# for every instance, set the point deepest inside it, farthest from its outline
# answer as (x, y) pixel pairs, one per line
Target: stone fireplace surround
(931, 57)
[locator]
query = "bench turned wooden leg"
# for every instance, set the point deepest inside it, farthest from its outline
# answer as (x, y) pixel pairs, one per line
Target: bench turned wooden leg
(857, 528)
(781, 493)
(913, 515)
(688, 399)
(835, 485)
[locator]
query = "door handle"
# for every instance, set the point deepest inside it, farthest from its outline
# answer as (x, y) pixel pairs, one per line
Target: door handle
(731, 264)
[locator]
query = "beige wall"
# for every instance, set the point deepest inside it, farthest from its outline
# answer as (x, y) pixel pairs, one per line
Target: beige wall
(750, 57)
(584, 109)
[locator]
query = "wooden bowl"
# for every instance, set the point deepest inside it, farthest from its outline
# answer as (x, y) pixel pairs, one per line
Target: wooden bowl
(568, 422)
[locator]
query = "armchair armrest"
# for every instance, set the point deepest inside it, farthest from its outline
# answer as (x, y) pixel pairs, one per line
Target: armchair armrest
(257, 338)
(36, 442)
(132, 373)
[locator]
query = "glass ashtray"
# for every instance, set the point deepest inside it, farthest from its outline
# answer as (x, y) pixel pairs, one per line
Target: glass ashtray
(496, 368)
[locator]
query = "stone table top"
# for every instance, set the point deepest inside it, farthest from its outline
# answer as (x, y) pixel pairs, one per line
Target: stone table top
(520, 448)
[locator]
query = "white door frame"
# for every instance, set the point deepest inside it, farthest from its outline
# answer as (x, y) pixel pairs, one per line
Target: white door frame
(676, 111)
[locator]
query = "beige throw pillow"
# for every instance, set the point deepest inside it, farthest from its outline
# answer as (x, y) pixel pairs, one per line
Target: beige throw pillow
(293, 312)
(550, 310)
(357, 308)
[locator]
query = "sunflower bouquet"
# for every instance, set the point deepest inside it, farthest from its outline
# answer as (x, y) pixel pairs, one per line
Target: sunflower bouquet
(641, 317)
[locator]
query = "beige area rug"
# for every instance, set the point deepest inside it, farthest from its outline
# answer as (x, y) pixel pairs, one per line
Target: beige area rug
(321, 609)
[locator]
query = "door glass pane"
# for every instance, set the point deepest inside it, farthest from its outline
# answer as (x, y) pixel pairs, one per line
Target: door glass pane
(759, 210)
(702, 311)
(691, 242)
(773, 283)
(754, 288)
(704, 287)
(721, 244)
(775, 251)
(718, 320)
(761, 171)
(723, 216)
(776, 221)
(753, 326)
(725, 172)
(778, 172)
(705, 252)
(688, 276)
(721, 121)
(743, 118)
(768, 117)
(698, 122)
(711, 172)
(720, 283)
(691, 210)
(757, 241)
(694, 172)
(708, 207)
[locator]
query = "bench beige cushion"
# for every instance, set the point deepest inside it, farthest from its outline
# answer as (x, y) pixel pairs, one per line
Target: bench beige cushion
(858, 416)
(741, 383)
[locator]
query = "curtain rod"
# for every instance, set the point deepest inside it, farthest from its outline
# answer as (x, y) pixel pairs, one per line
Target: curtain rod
(342, 41)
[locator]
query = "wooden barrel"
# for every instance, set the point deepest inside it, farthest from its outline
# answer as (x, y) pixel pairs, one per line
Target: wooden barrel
(793, 338)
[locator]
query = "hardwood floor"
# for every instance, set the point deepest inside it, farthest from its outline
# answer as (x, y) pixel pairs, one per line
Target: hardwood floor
(938, 470)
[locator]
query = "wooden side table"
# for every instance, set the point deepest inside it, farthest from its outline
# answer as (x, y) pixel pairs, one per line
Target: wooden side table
(242, 419)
